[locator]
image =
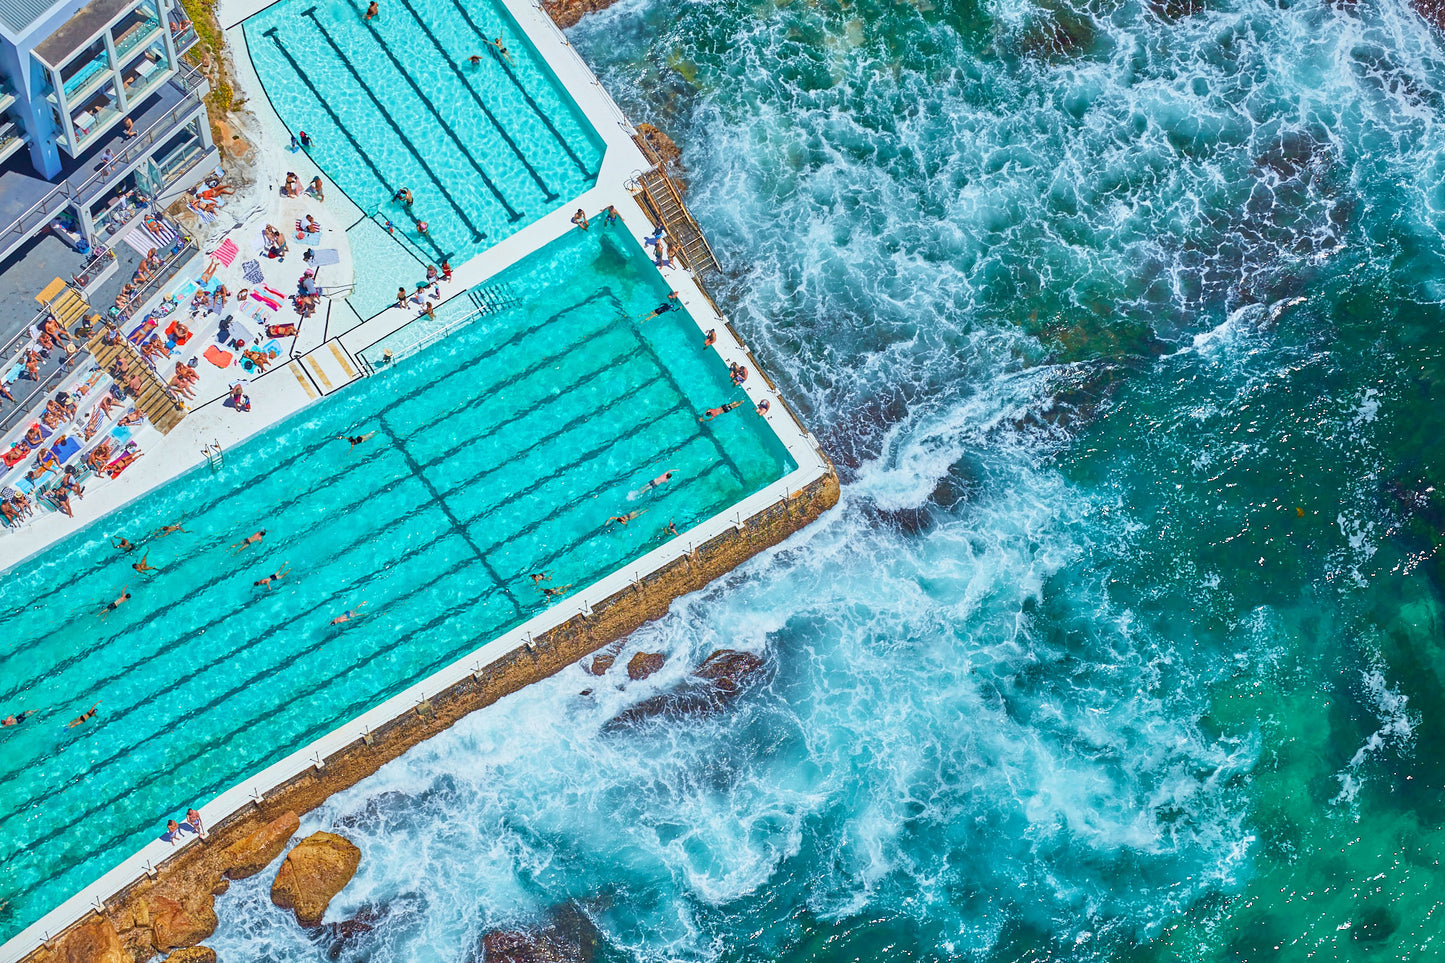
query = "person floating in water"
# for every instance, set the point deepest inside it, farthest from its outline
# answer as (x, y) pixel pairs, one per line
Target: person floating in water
(671, 304)
(403, 195)
(657, 482)
(83, 718)
(348, 615)
(123, 544)
(502, 50)
(580, 219)
(17, 718)
(718, 412)
(249, 540)
(624, 519)
(553, 593)
(143, 565)
(540, 577)
(279, 574)
(358, 439)
(612, 216)
(372, 10)
(117, 602)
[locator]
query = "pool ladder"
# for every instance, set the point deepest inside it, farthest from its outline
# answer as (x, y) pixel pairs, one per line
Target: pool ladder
(215, 457)
(490, 300)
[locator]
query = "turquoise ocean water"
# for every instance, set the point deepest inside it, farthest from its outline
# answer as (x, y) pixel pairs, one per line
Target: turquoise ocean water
(1122, 322)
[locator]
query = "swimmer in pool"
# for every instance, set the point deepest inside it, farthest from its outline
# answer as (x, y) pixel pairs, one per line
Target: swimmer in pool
(355, 439)
(249, 540)
(624, 519)
(657, 482)
(348, 615)
(669, 305)
(280, 574)
(403, 195)
(540, 577)
(372, 10)
(502, 50)
(122, 544)
(143, 565)
(670, 528)
(83, 718)
(718, 412)
(553, 593)
(18, 718)
(168, 530)
(112, 606)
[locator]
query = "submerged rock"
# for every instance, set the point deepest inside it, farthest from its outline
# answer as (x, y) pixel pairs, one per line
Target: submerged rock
(94, 941)
(643, 664)
(248, 856)
(192, 954)
(568, 936)
(315, 871)
(713, 686)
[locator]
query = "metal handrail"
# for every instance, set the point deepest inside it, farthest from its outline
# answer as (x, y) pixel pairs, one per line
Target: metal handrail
(189, 79)
(162, 275)
(93, 267)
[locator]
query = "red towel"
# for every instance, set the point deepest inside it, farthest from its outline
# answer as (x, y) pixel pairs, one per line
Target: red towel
(227, 252)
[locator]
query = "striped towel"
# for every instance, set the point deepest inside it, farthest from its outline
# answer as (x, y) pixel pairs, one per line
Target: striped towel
(141, 240)
(227, 252)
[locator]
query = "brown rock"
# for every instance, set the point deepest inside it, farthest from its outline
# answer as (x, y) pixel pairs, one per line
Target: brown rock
(568, 936)
(94, 941)
(643, 664)
(248, 856)
(192, 954)
(713, 686)
(662, 145)
(314, 872)
(566, 13)
(174, 924)
(601, 663)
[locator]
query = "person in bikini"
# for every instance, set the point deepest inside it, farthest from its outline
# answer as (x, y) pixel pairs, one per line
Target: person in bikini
(624, 519)
(355, 439)
(168, 530)
(83, 718)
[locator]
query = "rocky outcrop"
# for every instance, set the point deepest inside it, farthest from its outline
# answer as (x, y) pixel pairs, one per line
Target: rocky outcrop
(601, 663)
(662, 145)
(713, 686)
(315, 871)
(1431, 11)
(175, 924)
(192, 954)
(566, 13)
(567, 936)
(250, 855)
(94, 941)
(643, 664)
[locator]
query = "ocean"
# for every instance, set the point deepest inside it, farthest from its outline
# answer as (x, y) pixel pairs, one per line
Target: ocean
(1122, 323)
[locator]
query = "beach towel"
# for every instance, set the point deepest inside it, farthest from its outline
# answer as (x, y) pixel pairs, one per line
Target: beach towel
(122, 463)
(217, 357)
(64, 448)
(258, 296)
(16, 454)
(227, 252)
(310, 240)
(251, 271)
(171, 334)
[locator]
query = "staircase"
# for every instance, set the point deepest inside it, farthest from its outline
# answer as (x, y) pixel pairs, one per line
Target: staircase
(491, 299)
(67, 304)
(658, 195)
(156, 401)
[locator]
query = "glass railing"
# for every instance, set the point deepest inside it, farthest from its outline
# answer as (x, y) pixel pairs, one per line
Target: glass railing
(83, 78)
(87, 122)
(142, 83)
(178, 161)
(185, 39)
(136, 36)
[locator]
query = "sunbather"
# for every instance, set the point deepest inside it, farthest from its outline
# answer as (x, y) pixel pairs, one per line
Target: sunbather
(61, 499)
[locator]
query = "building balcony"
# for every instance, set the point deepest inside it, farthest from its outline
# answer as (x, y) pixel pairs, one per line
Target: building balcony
(140, 33)
(11, 139)
(7, 97)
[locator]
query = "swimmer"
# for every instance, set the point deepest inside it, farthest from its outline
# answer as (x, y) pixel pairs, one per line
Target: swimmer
(670, 304)
(718, 412)
(553, 593)
(659, 481)
(122, 544)
(280, 574)
(372, 10)
(502, 50)
(612, 216)
(355, 439)
(112, 606)
(18, 718)
(624, 519)
(249, 540)
(403, 195)
(348, 615)
(474, 59)
(83, 718)
(670, 529)
(143, 565)
(540, 577)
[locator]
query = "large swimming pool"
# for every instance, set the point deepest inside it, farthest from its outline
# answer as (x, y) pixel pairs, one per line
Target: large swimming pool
(497, 453)
(395, 102)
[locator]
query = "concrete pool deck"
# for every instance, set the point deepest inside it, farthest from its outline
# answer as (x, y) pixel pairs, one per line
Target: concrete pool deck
(324, 362)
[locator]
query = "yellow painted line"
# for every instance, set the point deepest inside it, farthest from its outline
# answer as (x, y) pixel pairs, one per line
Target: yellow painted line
(341, 360)
(305, 382)
(316, 370)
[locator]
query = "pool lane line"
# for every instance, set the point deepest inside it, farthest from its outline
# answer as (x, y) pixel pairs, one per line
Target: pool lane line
(550, 194)
(477, 233)
(420, 474)
(496, 55)
(316, 94)
(223, 738)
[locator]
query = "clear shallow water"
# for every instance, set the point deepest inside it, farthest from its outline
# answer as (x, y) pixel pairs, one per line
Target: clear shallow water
(1123, 324)
(484, 148)
(496, 454)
